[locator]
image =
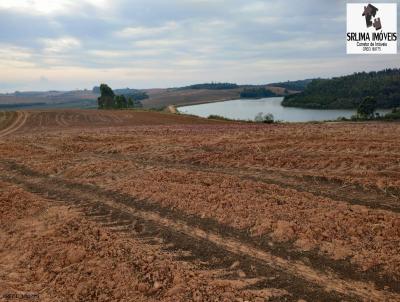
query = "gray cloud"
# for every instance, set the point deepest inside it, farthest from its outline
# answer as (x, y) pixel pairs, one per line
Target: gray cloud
(170, 43)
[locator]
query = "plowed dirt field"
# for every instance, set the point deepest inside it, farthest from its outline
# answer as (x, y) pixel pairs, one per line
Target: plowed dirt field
(145, 206)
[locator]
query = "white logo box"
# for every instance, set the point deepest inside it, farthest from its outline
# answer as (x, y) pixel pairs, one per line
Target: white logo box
(356, 24)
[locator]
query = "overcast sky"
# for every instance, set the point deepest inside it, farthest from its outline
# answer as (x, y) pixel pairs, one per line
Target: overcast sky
(68, 44)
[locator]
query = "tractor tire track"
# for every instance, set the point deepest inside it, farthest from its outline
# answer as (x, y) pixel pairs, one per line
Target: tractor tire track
(299, 279)
(373, 198)
(17, 123)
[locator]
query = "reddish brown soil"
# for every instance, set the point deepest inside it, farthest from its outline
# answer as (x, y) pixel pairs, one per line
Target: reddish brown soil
(279, 212)
(52, 253)
(67, 119)
(6, 119)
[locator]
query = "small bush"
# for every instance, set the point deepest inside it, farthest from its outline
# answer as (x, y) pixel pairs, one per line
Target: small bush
(218, 117)
(394, 115)
(264, 118)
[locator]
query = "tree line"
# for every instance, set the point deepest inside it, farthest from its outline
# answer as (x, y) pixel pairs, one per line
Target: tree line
(348, 92)
(213, 86)
(256, 93)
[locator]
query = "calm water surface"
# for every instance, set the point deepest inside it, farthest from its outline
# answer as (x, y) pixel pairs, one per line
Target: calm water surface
(248, 109)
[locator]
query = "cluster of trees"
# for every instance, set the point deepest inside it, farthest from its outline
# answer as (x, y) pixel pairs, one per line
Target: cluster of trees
(109, 100)
(127, 92)
(133, 93)
(366, 111)
(348, 92)
(213, 86)
(256, 93)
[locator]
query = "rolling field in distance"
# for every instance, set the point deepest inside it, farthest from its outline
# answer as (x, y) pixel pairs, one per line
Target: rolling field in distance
(86, 99)
(161, 207)
(159, 98)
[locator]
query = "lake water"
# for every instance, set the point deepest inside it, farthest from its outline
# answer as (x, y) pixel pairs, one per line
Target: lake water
(247, 110)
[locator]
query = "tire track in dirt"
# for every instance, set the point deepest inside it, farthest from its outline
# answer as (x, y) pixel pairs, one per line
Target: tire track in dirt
(57, 119)
(327, 286)
(373, 198)
(17, 123)
(6, 119)
(3, 118)
(60, 119)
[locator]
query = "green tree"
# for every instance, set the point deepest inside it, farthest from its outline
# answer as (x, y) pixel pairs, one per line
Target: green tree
(367, 107)
(130, 102)
(117, 101)
(100, 103)
(120, 101)
(106, 90)
(106, 99)
(124, 102)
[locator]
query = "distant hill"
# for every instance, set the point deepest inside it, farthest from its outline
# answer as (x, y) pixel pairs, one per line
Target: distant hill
(347, 92)
(48, 99)
(21, 105)
(299, 85)
(150, 98)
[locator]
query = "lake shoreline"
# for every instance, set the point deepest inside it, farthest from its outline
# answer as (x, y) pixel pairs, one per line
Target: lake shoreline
(248, 109)
(205, 102)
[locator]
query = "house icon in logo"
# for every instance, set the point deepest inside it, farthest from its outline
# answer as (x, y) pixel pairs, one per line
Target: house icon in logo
(369, 12)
